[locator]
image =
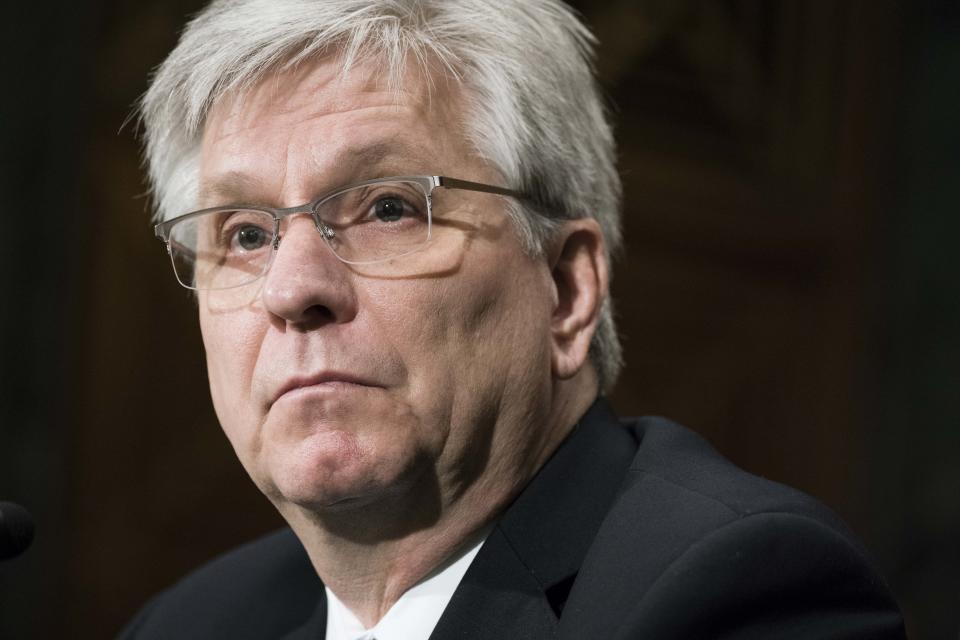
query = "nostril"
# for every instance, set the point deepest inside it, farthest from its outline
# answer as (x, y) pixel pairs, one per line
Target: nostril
(317, 314)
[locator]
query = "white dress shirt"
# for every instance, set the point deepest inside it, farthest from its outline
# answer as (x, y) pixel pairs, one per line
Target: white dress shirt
(413, 616)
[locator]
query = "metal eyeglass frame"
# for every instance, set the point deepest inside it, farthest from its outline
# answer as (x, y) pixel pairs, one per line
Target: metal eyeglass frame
(428, 183)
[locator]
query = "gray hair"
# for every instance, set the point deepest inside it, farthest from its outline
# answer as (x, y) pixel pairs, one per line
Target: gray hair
(534, 110)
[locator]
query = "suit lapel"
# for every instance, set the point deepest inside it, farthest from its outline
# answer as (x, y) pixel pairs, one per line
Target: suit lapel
(497, 598)
(518, 584)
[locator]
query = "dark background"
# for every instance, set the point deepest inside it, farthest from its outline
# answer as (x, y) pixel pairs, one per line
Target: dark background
(789, 288)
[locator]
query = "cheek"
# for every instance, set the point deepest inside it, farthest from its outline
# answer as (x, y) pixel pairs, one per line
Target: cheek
(476, 327)
(232, 344)
(501, 311)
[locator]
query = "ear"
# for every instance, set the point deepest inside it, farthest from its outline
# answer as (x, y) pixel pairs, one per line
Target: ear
(580, 281)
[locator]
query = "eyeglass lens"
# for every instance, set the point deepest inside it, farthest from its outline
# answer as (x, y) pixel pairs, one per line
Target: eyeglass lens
(225, 248)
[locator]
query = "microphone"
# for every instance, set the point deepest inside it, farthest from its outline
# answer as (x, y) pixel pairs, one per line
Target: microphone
(16, 530)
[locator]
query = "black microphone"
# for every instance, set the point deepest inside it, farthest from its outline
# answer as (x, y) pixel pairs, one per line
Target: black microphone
(16, 530)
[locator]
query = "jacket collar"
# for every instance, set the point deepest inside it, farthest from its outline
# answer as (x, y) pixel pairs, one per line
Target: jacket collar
(518, 584)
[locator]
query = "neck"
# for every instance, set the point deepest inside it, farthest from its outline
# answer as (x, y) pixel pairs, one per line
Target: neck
(370, 568)
(371, 556)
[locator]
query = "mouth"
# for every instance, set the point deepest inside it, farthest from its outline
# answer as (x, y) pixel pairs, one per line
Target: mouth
(327, 381)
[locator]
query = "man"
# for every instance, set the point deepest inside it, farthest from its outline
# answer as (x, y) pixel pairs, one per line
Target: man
(401, 217)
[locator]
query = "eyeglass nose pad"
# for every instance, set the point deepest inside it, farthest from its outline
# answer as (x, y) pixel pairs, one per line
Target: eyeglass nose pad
(325, 231)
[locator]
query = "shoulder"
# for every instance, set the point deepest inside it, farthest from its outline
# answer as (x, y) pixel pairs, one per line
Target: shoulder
(265, 588)
(707, 488)
(697, 547)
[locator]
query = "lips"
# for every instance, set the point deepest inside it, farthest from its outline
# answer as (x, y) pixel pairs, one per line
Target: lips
(331, 378)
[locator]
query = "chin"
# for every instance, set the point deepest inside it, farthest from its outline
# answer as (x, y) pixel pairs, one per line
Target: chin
(331, 472)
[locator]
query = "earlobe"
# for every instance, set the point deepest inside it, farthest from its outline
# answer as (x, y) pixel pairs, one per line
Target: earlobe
(580, 278)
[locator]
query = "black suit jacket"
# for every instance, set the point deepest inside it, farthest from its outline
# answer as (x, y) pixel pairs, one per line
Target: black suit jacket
(634, 529)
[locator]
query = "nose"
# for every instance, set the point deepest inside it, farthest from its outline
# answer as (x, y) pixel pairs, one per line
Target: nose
(307, 285)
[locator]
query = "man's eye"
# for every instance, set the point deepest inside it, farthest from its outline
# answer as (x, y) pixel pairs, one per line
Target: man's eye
(251, 238)
(391, 209)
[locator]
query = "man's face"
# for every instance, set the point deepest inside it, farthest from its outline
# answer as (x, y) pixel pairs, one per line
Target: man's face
(342, 386)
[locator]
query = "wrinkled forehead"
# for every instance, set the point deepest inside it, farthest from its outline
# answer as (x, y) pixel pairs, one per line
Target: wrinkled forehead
(322, 119)
(328, 84)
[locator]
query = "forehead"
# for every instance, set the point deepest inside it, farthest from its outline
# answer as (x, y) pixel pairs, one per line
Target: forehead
(315, 128)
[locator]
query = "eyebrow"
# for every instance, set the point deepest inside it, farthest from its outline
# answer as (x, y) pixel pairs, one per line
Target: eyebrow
(232, 186)
(372, 161)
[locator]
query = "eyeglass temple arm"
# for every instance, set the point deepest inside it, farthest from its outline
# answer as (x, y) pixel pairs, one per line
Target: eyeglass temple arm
(453, 183)
(162, 231)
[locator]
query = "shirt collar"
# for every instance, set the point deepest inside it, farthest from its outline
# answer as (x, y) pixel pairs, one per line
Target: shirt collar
(414, 615)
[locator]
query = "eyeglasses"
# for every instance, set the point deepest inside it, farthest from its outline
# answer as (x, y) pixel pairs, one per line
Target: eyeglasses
(364, 223)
